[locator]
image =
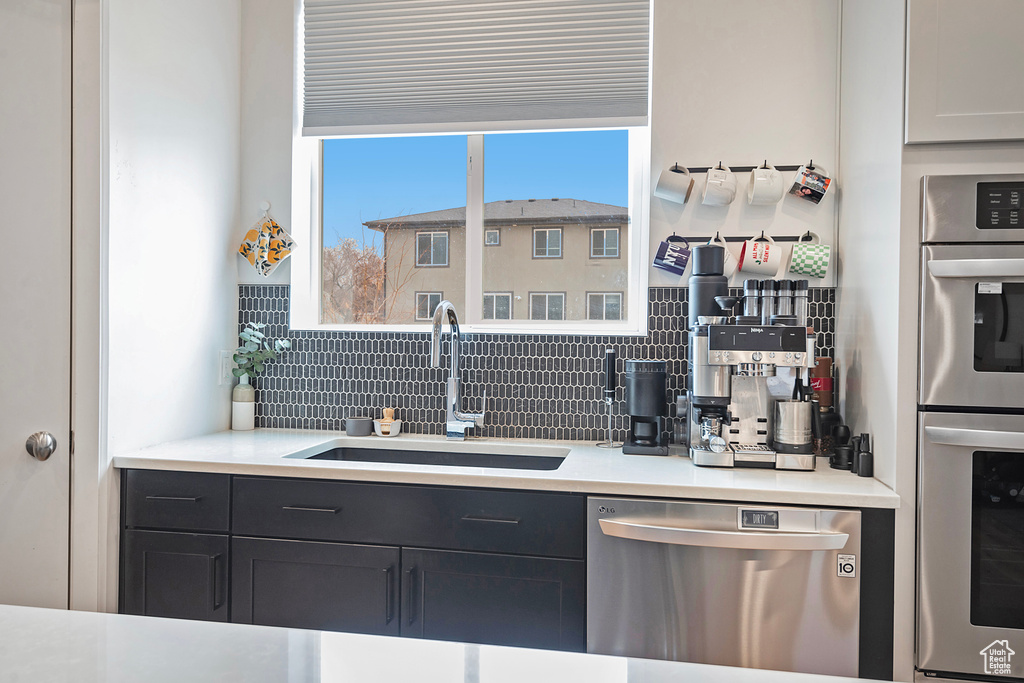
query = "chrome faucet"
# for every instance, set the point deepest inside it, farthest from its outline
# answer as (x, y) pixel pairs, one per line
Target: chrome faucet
(456, 421)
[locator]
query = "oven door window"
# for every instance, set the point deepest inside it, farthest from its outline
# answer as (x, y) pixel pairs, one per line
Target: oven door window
(999, 327)
(997, 540)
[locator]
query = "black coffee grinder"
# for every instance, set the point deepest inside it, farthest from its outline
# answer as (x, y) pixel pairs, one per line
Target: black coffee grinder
(645, 404)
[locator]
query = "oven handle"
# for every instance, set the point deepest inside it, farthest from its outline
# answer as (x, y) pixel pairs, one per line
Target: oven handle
(977, 267)
(976, 438)
(644, 530)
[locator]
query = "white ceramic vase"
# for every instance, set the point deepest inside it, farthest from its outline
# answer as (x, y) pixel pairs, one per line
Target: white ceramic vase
(243, 405)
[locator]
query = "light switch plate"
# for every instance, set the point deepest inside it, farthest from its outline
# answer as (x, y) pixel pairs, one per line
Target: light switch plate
(224, 371)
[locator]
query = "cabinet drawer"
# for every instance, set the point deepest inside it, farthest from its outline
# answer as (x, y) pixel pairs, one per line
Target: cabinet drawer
(188, 501)
(434, 517)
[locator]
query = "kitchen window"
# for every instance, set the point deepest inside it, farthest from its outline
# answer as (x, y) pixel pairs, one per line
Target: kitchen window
(604, 305)
(547, 243)
(389, 163)
(547, 306)
(604, 243)
(498, 306)
(431, 249)
(426, 302)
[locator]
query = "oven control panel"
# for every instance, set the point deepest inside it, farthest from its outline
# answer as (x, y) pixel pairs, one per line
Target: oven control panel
(1000, 205)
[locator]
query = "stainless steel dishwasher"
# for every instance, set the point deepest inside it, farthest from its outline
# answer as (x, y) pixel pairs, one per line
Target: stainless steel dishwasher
(760, 586)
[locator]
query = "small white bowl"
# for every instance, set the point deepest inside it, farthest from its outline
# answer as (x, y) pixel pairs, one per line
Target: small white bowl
(396, 427)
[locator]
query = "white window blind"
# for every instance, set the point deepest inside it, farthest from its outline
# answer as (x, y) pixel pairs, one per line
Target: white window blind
(383, 66)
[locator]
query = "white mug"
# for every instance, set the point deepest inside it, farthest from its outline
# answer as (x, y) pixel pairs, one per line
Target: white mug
(730, 261)
(674, 184)
(720, 187)
(761, 256)
(766, 186)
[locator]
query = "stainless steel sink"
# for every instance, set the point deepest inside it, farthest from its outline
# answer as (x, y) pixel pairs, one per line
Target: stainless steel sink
(456, 459)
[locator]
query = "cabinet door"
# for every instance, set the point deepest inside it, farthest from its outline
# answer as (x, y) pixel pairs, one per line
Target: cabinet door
(172, 574)
(325, 586)
(964, 70)
(494, 599)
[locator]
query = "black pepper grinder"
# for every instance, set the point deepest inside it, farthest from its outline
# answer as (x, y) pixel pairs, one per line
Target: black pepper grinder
(866, 462)
(609, 395)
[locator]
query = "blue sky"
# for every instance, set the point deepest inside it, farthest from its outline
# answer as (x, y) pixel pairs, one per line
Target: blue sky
(370, 178)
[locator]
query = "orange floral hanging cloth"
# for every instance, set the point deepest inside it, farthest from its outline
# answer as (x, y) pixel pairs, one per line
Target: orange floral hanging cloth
(266, 244)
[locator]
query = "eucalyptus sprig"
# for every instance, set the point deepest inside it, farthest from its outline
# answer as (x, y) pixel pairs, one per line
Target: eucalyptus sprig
(256, 350)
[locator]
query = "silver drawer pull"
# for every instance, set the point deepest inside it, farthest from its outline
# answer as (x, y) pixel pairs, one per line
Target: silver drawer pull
(303, 508)
(661, 531)
(183, 499)
(495, 520)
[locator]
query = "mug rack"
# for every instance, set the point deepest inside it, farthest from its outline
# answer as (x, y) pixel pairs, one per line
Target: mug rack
(744, 238)
(736, 169)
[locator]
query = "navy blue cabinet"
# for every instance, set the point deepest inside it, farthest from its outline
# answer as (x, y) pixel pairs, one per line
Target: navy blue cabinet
(446, 563)
(174, 574)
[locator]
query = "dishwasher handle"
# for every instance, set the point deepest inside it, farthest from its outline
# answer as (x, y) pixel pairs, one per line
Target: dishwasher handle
(656, 531)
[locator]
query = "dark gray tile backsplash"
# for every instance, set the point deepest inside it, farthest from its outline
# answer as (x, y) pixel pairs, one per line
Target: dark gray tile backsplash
(538, 386)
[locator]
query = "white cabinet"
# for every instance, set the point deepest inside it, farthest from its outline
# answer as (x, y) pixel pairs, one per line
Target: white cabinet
(965, 70)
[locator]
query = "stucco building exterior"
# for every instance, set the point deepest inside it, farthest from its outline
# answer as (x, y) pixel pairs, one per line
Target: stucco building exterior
(543, 259)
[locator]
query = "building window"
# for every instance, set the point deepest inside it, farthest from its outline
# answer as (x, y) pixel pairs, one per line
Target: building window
(431, 249)
(426, 302)
(547, 243)
(547, 306)
(604, 243)
(604, 306)
(497, 305)
(492, 238)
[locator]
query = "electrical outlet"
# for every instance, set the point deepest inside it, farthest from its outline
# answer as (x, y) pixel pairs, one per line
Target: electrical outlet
(224, 373)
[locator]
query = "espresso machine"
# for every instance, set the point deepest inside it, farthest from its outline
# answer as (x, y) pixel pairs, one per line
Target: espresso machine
(745, 404)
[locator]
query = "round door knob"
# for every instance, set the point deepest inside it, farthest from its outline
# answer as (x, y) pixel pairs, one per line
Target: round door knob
(41, 445)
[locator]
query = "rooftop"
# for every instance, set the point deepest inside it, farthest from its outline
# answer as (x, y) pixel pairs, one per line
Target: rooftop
(513, 212)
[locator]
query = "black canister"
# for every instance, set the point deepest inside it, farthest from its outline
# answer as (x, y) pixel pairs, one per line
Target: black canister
(645, 387)
(708, 259)
(707, 282)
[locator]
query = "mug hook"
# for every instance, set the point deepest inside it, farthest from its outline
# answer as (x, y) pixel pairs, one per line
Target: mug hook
(810, 165)
(765, 165)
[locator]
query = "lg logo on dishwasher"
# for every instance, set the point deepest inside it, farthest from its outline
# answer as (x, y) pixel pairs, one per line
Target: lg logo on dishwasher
(847, 565)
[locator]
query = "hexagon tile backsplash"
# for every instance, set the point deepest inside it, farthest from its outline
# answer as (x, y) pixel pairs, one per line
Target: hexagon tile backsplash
(538, 386)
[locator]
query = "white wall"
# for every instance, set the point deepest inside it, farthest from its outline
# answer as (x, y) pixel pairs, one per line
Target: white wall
(740, 82)
(174, 75)
(877, 279)
(266, 143)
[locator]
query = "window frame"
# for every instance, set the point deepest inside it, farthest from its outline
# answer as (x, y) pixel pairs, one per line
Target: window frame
(547, 243)
(447, 248)
(496, 231)
(547, 297)
(511, 304)
(304, 266)
(430, 309)
(618, 242)
(604, 304)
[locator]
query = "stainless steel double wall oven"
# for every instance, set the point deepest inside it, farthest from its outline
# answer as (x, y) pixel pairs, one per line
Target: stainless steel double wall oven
(970, 608)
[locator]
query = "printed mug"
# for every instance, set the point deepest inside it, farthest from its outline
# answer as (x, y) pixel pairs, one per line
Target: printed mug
(761, 256)
(811, 183)
(720, 187)
(810, 258)
(673, 255)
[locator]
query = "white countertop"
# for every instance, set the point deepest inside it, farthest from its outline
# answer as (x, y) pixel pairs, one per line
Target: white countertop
(587, 468)
(43, 645)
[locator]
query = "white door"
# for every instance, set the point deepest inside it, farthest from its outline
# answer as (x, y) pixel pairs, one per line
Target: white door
(35, 298)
